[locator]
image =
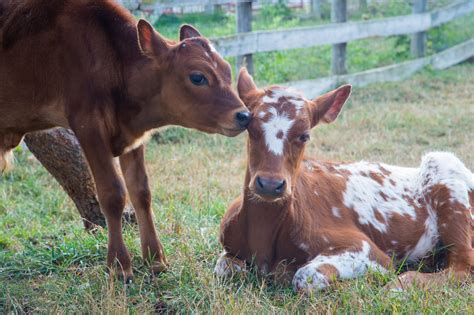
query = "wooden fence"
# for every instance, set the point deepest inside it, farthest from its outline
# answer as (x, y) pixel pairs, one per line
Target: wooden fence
(245, 43)
(338, 34)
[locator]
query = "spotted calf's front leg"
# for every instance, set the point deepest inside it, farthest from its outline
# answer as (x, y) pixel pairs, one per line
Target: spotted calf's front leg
(348, 263)
(228, 265)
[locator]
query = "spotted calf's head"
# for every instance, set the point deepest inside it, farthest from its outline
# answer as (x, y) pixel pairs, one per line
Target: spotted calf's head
(190, 81)
(280, 128)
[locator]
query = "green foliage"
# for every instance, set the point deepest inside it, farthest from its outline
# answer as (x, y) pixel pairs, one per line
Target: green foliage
(450, 34)
(217, 24)
(271, 12)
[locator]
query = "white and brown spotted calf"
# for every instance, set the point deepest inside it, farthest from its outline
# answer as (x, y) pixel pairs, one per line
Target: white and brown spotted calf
(326, 220)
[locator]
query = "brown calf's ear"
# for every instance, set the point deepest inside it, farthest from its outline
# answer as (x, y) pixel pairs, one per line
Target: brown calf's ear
(150, 42)
(248, 91)
(187, 31)
(327, 107)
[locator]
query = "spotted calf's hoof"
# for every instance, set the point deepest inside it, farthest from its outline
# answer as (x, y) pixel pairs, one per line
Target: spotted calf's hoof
(308, 280)
(228, 266)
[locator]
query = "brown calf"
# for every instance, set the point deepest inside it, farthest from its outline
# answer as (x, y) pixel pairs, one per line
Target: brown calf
(327, 220)
(86, 65)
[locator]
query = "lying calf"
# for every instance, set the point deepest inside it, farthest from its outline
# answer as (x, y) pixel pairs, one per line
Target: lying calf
(328, 220)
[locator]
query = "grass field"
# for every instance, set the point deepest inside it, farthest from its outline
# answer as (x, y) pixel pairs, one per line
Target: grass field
(48, 263)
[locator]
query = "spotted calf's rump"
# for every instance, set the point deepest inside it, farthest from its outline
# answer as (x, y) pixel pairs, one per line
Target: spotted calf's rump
(398, 206)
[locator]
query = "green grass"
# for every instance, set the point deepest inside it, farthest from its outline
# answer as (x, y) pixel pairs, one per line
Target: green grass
(49, 264)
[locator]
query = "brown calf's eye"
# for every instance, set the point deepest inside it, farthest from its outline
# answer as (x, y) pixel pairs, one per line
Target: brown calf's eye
(198, 79)
(304, 137)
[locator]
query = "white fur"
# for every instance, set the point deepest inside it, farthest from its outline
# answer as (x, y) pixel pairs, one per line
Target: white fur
(279, 122)
(427, 240)
(304, 247)
(213, 49)
(225, 267)
(336, 212)
(364, 194)
(349, 265)
(292, 96)
(446, 169)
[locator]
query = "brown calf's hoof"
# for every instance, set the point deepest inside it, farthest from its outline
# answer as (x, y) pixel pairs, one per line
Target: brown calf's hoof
(159, 267)
(127, 276)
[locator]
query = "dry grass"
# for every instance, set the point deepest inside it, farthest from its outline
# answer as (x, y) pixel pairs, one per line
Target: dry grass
(49, 264)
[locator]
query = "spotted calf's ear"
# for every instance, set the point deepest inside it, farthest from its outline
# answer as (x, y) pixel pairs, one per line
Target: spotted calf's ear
(188, 31)
(151, 43)
(248, 91)
(327, 107)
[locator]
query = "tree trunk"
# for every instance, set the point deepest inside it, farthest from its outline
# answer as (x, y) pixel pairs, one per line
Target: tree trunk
(58, 150)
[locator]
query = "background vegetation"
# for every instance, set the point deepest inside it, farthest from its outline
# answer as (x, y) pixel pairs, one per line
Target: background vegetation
(48, 263)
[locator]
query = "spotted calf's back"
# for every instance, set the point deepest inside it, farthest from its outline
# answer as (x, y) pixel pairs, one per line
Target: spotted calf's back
(398, 208)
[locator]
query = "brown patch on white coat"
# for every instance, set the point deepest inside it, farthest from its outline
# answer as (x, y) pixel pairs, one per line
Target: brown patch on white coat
(328, 220)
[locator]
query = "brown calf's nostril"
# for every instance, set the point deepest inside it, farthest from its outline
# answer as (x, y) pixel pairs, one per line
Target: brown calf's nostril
(243, 118)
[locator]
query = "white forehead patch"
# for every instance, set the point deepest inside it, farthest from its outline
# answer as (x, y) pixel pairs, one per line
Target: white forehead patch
(292, 96)
(277, 125)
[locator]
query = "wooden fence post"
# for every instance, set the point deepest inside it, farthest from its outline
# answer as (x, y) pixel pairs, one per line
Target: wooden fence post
(418, 40)
(339, 15)
(316, 8)
(244, 24)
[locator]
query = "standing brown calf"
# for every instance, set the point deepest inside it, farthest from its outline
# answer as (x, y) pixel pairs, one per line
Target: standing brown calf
(327, 220)
(88, 66)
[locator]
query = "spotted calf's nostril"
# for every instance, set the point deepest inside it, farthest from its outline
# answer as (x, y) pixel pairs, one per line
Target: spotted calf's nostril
(280, 186)
(270, 187)
(243, 118)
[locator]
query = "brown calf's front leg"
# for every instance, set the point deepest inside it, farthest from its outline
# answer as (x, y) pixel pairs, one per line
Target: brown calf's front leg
(136, 179)
(111, 193)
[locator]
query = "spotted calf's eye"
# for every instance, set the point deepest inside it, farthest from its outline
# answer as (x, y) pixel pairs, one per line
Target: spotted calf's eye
(198, 79)
(304, 137)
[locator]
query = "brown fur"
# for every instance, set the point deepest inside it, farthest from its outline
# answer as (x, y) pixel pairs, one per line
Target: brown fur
(88, 66)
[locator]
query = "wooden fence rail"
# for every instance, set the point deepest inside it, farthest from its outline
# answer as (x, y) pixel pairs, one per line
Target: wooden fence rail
(245, 43)
(336, 33)
(392, 73)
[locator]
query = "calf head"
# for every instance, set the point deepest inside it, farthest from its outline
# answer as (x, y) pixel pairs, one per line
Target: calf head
(190, 81)
(280, 128)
